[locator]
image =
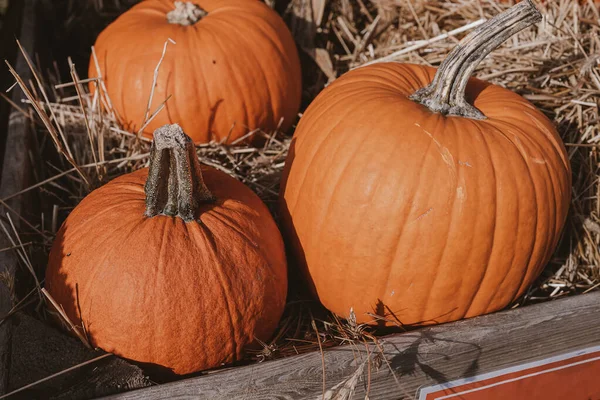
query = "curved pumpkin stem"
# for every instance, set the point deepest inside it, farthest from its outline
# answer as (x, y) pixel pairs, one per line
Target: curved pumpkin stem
(446, 94)
(185, 13)
(175, 186)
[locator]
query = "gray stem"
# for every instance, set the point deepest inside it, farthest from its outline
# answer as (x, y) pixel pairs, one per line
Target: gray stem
(175, 186)
(185, 13)
(446, 94)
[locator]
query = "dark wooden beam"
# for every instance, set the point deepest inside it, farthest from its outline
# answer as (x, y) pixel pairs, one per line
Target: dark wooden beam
(16, 170)
(424, 357)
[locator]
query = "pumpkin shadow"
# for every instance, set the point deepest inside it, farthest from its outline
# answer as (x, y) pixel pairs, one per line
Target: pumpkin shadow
(159, 374)
(475, 88)
(298, 277)
(408, 360)
(211, 119)
(388, 320)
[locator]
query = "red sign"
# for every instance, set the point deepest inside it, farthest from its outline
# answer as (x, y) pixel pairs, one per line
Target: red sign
(572, 376)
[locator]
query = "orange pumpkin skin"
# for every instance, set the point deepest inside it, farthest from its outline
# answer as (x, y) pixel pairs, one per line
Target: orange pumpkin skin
(234, 71)
(391, 208)
(185, 296)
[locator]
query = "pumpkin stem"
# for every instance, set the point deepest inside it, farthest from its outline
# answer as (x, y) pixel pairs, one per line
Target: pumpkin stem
(185, 13)
(175, 186)
(446, 94)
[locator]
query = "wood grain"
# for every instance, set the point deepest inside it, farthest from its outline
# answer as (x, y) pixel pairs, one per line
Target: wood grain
(423, 357)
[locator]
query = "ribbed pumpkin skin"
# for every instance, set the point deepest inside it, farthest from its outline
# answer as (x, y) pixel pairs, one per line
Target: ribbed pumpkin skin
(235, 70)
(437, 218)
(157, 290)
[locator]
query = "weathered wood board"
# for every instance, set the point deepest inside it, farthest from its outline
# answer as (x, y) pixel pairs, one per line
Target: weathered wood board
(418, 359)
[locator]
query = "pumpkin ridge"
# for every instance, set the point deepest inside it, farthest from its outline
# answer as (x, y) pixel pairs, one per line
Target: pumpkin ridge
(462, 288)
(416, 81)
(326, 209)
(549, 196)
(533, 125)
(330, 104)
(517, 236)
(550, 169)
(235, 89)
(552, 172)
(393, 255)
(93, 216)
(287, 64)
(150, 350)
(89, 285)
(221, 216)
(400, 226)
(331, 137)
(477, 293)
(405, 223)
(122, 78)
(228, 222)
(318, 147)
(376, 83)
(270, 22)
(359, 147)
(517, 150)
(464, 285)
(225, 291)
(238, 70)
(262, 71)
(556, 142)
(197, 83)
(258, 25)
(451, 220)
(394, 79)
(168, 80)
(492, 297)
(446, 237)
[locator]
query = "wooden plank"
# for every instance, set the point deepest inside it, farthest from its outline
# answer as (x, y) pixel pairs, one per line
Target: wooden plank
(424, 357)
(16, 175)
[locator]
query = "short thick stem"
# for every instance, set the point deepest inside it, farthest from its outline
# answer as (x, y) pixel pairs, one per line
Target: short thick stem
(446, 94)
(175, 186)
(185, 13)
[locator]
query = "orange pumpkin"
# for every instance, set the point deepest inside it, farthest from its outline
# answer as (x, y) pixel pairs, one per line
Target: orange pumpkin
(234, 67)
(407, 203)
(183, 275)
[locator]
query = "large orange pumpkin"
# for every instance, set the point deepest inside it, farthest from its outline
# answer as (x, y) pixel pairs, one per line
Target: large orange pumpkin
(183, 275)
(403, 201)
(234, 67)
